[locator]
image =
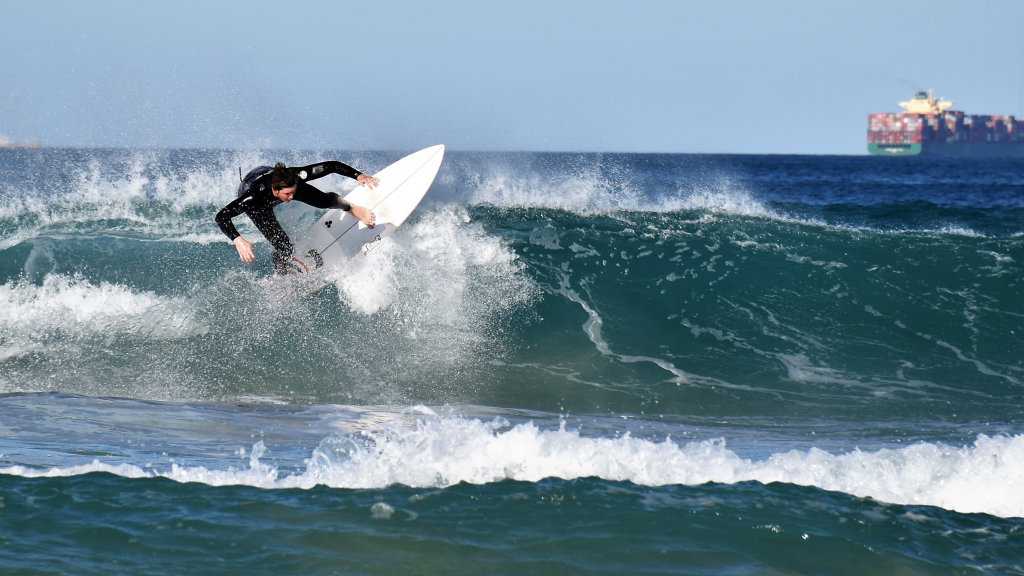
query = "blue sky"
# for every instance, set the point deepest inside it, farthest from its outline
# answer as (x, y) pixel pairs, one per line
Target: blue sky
(724, 76)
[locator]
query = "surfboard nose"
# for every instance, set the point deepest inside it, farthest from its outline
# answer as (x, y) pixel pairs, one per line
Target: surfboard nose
(339, 235)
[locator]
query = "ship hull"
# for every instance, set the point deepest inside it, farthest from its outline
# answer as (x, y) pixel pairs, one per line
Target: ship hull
(894, 149)
(949, 150)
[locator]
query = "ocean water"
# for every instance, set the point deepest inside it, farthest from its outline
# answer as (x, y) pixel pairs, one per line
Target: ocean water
(562, 364)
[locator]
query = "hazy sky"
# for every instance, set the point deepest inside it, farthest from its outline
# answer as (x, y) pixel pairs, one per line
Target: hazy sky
(721, 76)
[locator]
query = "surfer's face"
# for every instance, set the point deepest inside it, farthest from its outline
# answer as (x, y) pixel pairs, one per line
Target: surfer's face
(284, 194)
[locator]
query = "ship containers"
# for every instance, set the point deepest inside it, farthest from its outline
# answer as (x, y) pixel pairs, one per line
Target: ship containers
(894, 128)
(954, 125)
(1002, 128)
(979, 131)
(876, 128)
(880, 128)
(914, 127)
(995, 128)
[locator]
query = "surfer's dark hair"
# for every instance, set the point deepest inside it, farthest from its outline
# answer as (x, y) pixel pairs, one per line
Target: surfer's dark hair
(282, 177)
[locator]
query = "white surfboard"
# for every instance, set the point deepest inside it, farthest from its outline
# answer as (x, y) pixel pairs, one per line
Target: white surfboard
(338, 235)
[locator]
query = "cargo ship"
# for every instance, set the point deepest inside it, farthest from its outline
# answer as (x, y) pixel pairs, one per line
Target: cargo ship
(928, 126)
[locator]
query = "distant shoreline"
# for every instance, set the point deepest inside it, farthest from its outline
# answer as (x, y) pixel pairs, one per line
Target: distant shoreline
(6, 142)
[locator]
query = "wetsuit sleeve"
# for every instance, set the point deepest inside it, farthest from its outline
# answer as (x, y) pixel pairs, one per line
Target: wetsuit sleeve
(313, 196)
(223, 218)
(321, 169)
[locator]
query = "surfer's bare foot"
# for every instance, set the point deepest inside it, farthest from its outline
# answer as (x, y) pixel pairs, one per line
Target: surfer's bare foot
(368, 181)
(364, 215)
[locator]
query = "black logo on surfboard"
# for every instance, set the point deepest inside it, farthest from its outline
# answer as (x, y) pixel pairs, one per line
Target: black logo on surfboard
(328, 223)
(318, 260)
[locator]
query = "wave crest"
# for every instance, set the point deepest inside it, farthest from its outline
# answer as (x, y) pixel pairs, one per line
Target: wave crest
(442, 451)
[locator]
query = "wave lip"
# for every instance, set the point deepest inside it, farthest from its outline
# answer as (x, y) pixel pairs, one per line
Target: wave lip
(596, 190)
(587, 193)
(141, 194)
(442, 451)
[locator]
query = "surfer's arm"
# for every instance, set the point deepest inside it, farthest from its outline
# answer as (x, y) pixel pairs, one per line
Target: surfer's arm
(223, 218)
(321, 169)
(314, 197)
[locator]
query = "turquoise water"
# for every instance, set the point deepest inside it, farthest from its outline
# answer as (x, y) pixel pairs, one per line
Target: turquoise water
(563, 363)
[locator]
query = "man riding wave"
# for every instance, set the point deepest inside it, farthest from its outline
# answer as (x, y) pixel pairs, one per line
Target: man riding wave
(264, 187)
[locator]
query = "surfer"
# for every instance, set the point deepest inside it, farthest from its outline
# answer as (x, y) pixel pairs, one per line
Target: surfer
(264, 187)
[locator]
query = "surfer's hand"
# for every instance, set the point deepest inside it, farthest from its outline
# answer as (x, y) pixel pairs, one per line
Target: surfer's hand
(368, 181)
(364, 215)
(244, 248)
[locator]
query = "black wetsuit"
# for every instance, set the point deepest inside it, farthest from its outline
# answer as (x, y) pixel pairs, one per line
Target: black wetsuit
(256, 200)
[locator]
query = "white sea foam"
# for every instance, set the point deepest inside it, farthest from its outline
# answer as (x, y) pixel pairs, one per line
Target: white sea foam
(583, 189)
(207, 238)
(32, 315)
(437, 264)
(440, 451)
(588, 190)
(138, 196)
(724, 199)
(93, 196)
(435, 296)
(955, 230)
